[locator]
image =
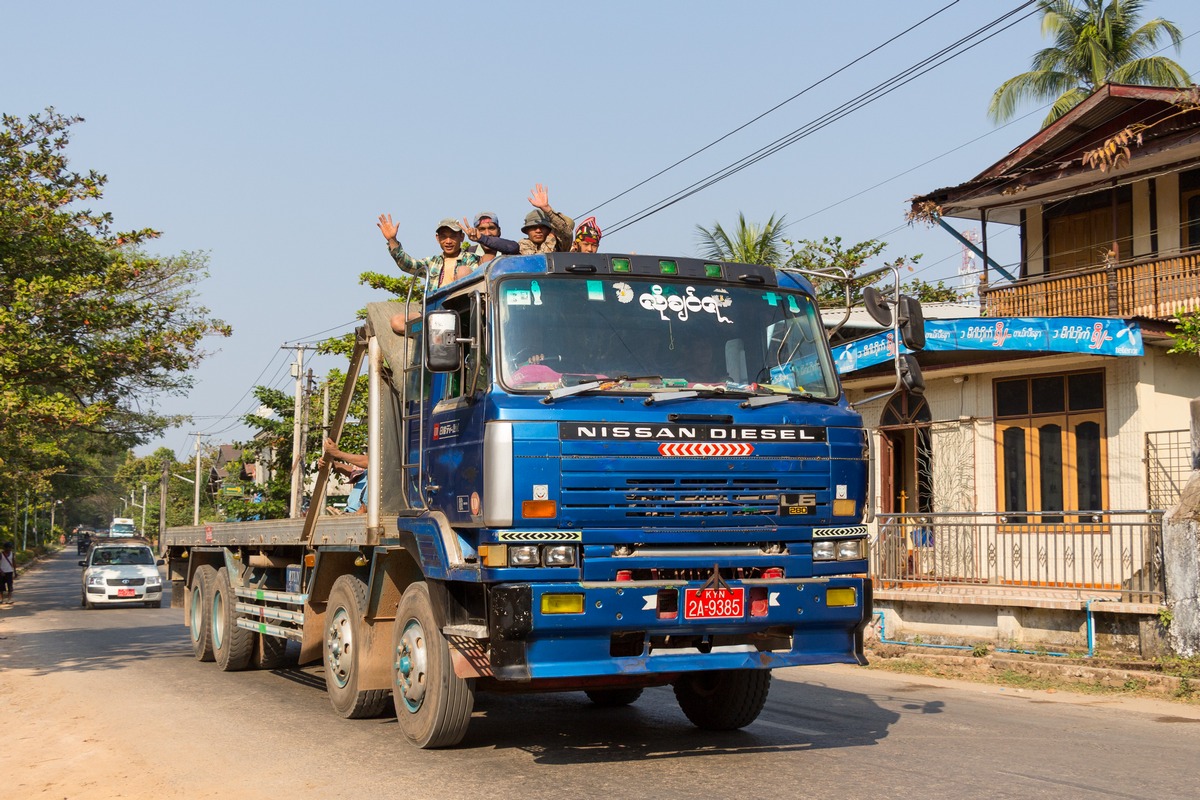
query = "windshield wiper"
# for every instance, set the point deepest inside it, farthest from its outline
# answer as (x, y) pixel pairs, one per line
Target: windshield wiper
(602, 385)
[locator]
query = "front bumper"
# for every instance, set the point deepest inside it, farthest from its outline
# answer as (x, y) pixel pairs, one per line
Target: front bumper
(109, 594)
(624, 630)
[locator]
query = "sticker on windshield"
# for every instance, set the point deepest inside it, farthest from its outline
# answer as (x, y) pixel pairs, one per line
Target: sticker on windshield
(662, 301)
(624, 292)
(595, 290)
(518, 297)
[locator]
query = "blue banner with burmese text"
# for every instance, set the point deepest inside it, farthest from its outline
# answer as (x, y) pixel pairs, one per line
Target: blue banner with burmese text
(1102, 337)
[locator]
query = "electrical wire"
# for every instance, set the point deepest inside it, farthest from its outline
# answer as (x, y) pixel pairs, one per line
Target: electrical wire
(770, 110)
(882, 89)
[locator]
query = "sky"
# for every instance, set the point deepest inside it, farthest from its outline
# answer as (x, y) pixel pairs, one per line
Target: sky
(272, 135)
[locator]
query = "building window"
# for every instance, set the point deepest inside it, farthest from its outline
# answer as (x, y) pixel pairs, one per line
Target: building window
(1051, 451)
(1083, 230)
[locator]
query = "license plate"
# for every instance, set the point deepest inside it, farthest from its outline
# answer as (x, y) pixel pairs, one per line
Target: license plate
(714, 603)
(126, 593)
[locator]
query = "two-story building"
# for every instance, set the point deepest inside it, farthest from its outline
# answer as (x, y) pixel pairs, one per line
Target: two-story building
(1018, 496)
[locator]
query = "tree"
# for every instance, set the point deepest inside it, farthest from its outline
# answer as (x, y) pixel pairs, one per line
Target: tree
(748, 244)
(1095, 42)
(829, 255)
(92, 326)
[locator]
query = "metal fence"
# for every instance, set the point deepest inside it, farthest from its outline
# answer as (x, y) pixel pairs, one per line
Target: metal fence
(1115, 554)
(1168, 466)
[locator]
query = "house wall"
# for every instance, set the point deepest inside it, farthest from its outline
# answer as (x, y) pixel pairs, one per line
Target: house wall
(1035, 237)
(1167, 191)
(1145, 394)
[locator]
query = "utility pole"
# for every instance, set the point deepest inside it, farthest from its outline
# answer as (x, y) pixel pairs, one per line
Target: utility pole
(162, 498)
(196, 500)
(144, 490)
(297, 472)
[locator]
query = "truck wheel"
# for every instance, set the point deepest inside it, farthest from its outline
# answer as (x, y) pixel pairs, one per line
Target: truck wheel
(723, 700)
(433, 705)
(613, 698)
(231, 645)
(345, 649)
(270, 652)
(199, 613)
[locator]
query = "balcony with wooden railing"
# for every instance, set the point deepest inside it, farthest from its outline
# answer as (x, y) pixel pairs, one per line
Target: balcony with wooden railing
(1157, 289)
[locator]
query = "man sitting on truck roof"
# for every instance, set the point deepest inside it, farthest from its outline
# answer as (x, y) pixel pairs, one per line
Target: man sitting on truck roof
(546, 230)
(486, 231)
(447, 266)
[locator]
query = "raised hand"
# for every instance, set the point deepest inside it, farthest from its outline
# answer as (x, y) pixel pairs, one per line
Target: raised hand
(472, 233)
(387, 227)
(540, 198)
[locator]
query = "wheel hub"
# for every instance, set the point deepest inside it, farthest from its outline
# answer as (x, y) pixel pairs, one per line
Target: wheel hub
(411, 666)
(339, 647)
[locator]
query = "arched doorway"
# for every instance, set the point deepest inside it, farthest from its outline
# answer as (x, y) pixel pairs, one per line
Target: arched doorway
(906, 455)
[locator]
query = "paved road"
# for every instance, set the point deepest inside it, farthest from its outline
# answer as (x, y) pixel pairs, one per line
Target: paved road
(110, 703)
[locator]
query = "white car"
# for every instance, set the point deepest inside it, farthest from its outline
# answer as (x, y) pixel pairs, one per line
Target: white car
(121, 572)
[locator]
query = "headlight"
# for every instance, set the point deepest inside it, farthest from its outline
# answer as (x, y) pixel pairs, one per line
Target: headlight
(95, 580)
(154, 580)
(523, 555)
(560, 555)
(851, 549)
(824, 551)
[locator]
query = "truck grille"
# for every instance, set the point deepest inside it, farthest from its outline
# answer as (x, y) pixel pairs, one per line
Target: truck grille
(706, 501)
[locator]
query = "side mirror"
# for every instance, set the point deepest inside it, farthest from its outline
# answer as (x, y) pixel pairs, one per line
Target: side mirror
(876, 306)
(910, 374)
(160, 562)
(912, 322)
(83, 563)
(442, 353)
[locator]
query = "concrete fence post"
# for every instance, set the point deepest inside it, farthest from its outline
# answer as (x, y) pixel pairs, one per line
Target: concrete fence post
(1181, 556)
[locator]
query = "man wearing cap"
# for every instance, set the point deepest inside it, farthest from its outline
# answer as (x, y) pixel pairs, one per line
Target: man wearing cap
(447, 266)
(486, 231)
(545, 229)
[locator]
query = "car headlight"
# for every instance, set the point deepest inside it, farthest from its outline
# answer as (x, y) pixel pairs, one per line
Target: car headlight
(154, 580)
(824, 551)
(523, 555)
(560, 555)
(851, 549)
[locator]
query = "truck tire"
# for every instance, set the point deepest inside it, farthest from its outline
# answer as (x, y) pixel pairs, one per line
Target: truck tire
(270, 652)
(200, 613)
(231, 645)
(345, 648)
(433, 705)
(613, 698)
(723, 700)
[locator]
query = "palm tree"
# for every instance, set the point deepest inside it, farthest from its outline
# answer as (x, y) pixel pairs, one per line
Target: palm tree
(1095, 42)
(749, 243)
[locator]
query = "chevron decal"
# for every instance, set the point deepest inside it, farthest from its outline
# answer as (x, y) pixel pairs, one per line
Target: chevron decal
(705, 449)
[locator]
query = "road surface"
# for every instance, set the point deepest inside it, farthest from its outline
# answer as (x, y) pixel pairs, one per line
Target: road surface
(110, 703)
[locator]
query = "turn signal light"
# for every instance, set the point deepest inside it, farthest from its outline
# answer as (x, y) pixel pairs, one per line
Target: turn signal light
(624, 575)
(843, 508)
(538, 509)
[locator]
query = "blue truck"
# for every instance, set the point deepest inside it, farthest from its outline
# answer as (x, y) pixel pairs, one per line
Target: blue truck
(587, 472)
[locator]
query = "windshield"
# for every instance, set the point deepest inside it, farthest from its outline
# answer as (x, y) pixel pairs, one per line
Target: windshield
(122, 528)
(661, 335)
(123, 556)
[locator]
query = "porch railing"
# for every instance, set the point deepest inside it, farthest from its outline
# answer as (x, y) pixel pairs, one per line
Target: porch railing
(1084, 554)
(1158, 289)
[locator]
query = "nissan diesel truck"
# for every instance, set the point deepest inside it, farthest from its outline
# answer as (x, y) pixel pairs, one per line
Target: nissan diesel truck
(587, 472)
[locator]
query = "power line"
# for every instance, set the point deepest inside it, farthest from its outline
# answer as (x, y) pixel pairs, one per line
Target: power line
(770, 110)
(882, 89)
